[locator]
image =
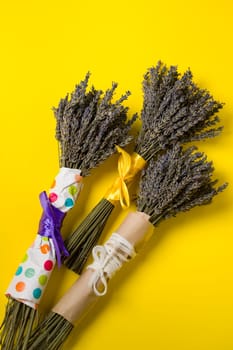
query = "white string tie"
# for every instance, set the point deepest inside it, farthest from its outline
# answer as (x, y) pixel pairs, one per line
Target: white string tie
(108, 259)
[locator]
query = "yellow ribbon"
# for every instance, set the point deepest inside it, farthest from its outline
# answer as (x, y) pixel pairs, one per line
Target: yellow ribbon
(128, 168)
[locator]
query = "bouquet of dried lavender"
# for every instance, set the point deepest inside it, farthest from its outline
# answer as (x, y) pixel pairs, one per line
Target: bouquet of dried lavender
(174, 109)
(88, 127)
(178, 181)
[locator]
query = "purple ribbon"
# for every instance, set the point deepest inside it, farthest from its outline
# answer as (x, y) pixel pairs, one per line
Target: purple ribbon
(50, 224)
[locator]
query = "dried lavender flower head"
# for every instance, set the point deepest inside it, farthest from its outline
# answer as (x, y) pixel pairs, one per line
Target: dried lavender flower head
(174, 110)
(89, 126)
(178, 181)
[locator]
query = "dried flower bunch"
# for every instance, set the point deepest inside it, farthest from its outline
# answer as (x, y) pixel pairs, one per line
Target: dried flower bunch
(174, 110)
(176, 182)
(88, 127)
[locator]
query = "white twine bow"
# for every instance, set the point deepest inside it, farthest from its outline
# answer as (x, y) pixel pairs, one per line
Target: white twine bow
(108, 259)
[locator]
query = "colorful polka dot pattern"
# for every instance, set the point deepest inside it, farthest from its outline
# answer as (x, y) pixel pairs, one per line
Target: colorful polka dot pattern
(65, 189)
(37, 293)
(72, 190)
(33, 273)
(69, 203)
(20, 286)
(48, 265)
(44, 248)
(30, 272)
(53, 197)
(19, 271)
(42, 280)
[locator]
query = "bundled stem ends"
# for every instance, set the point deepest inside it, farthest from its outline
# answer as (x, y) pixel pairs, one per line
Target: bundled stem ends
(51, 333)
(17, 325)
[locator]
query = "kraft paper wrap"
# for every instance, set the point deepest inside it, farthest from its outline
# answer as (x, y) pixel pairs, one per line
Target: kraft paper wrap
(80, 297)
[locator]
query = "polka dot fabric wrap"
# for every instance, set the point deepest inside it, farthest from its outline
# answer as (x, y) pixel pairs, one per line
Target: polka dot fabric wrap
(32, 275)
(65, 189)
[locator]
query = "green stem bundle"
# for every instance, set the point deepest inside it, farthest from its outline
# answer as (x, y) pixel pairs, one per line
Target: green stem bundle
(56, 328)
(18, 324)
(86, 236)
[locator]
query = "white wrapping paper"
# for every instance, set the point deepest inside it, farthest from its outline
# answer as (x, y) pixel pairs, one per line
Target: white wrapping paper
(32, 275)
(65, 189)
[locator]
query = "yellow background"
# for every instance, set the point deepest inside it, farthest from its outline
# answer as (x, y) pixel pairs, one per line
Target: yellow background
(179, 293)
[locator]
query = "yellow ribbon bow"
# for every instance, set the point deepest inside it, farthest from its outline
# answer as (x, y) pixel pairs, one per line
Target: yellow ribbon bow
(128, 167)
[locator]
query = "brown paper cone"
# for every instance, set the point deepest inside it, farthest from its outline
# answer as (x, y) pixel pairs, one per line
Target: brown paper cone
(80, 297)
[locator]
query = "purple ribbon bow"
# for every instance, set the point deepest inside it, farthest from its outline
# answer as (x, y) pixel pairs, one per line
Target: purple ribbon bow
(50, 224)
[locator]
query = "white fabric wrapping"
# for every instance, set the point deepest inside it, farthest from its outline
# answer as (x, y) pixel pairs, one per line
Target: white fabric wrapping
(33, 273)
(65, 189)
